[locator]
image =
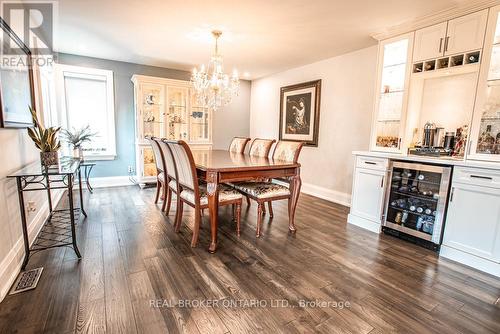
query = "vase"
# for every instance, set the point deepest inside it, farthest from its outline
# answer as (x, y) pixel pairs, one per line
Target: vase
(49, 159)
(78, 153)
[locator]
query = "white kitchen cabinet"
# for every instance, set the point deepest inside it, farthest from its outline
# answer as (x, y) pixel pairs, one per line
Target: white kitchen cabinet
(473, 219)
(368, 193)
(429, 42)
(466, 33)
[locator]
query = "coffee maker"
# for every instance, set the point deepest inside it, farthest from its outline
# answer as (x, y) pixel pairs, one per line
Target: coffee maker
(432, 142)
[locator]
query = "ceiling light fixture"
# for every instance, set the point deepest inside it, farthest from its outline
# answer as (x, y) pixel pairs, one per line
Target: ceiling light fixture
(212, 87)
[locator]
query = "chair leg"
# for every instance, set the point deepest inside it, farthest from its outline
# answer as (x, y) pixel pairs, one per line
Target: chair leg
(233, 211)
(271, 213)
(259, 219)
(238, 218)
(169, 200)
(248, 201)
(165, 197)
(158, 186)
(178, 216)
(196, 229)
(264, 208)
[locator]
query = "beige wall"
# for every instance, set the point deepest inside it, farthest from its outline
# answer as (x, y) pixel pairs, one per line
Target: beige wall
(345, 121)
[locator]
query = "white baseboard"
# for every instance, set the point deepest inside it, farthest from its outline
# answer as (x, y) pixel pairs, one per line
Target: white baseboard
(11, 264)
(363, 223)
(110, 181)
(327, 194)
(470, 260)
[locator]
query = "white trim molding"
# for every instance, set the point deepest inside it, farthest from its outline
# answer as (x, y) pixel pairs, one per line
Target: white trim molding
(327, 194)
(110, 181)
(10, 267)
(461, 9)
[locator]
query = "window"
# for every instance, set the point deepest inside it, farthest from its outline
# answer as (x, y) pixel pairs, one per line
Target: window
(86, 97)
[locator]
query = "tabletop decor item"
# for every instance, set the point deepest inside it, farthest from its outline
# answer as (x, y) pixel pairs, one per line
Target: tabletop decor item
(77, 137)
(299, 112)
(45, 140)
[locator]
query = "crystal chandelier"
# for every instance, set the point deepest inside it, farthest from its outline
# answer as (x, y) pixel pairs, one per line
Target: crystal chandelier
(213, 88)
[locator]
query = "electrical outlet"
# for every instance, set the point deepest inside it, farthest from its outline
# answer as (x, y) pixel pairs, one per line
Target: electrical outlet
(31, 206)
(130, 170)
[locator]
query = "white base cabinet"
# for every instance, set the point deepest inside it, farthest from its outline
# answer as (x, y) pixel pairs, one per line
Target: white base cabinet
(368, 193)
(472, 231)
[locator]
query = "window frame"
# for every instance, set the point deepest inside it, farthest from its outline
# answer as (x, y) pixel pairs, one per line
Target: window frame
(63, 71)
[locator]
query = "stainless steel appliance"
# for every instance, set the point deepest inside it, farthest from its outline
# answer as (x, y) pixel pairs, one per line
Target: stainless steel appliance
(416, 201)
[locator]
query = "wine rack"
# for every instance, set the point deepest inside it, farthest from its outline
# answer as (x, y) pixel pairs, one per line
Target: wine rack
(416, 200)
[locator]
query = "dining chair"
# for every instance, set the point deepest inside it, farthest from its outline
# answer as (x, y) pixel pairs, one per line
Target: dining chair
(266, 192)
(238, 144)
(160, 169)
(194, 193)
(171, 176)
(260, 148)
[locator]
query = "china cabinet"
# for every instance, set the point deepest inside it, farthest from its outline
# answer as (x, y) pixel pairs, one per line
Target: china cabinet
(485, 137)
(166, 108)
(391, 92)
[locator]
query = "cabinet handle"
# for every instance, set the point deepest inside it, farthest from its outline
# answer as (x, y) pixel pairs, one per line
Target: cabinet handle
(451, 195)
(446, 42)
(382, 183)
(399, 143)
(440, 44)
(489, 178)
(370, 163)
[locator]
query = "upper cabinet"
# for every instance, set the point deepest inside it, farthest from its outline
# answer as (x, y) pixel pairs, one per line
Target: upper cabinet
(429, 42)
(465, 33)
(485, 137)
(394, 63)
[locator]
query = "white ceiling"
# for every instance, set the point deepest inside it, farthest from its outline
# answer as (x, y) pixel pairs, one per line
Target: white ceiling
(261, 37)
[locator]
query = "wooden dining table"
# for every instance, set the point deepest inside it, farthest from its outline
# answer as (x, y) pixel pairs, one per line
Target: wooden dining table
(219, 166)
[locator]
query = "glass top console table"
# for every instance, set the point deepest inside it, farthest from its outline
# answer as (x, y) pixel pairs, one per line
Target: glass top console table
(59, 228)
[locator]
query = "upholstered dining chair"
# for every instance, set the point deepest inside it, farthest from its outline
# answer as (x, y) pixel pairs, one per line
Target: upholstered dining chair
(238, 144)
(160, 169)
(171, 176)
(266, 192)
(194, 193)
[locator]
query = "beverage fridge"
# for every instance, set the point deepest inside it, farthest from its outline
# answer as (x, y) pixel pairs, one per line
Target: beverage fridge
(416, 202)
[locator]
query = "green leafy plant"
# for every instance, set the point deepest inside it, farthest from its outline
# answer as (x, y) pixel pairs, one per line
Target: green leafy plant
(45, 139)
(78, 137)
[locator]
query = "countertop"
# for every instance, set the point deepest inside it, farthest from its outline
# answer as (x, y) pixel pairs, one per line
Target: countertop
(449, 161)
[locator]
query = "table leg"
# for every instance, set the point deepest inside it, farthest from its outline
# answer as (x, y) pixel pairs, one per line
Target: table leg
(295, 186)
(88, 170)
(81, 191)
(23, 222)
(213, 207)
(72, 215)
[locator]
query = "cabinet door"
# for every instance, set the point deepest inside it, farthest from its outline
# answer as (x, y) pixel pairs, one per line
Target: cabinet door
(429, 42)
(177, 113)
(466, 33)
(368, 194)
(484, 141)
(473, 221)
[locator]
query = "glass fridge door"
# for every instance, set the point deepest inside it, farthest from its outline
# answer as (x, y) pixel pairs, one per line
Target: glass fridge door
(416, 200)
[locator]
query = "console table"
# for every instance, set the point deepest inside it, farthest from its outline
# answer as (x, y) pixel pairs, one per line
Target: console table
(59, 228)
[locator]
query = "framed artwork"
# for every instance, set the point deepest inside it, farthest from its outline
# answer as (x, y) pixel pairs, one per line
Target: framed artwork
(299, 112)
(16, 80)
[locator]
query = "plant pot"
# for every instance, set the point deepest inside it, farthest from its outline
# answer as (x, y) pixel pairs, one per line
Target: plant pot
(78, 153)
(49, 159)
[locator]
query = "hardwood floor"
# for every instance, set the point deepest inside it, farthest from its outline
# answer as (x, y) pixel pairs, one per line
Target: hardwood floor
(132, 259)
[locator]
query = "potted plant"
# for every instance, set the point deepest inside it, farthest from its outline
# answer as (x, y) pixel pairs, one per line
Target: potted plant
(45, 140)
(77, 137)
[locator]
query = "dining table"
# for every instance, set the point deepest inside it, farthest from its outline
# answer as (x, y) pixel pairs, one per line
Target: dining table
(220, 166)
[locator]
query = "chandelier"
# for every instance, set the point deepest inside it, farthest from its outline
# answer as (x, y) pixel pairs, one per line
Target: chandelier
(212, 87)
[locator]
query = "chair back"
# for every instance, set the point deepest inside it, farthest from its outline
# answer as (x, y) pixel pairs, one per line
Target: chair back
(238, 144)
(159, 160)
(261, 147)
(169, 159)
(287, 150)
(184, 162)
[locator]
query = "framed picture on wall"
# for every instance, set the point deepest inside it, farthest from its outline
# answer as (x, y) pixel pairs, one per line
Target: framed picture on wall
(16, 80)
(299, 112)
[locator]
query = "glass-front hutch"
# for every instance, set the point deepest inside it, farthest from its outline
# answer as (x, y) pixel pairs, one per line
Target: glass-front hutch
(391, 93)
(485, 139)
(166, 108)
